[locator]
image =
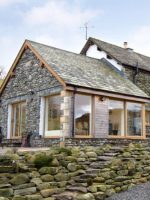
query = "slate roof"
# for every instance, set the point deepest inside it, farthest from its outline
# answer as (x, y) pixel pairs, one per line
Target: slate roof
(122, 55)
(80, 70)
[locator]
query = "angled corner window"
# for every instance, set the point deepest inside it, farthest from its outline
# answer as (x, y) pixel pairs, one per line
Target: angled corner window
(116, 117)
(82, 118)
(52, 119)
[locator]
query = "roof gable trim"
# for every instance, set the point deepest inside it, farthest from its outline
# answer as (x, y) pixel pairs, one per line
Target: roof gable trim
(43, 63)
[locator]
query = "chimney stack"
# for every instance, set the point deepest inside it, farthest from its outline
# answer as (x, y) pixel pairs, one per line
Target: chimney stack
(125, 45)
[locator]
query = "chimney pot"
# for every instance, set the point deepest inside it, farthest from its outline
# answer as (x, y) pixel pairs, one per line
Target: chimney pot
(125, 45)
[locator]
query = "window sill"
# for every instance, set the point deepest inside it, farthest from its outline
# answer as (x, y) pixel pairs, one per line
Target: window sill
(127, 137)
(15, 138)
(51, 137)
(83, 136)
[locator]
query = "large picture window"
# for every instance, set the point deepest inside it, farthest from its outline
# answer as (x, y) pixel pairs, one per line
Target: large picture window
(82, 115)
(126, 118)
(116, 117)
(52, 115)
(134, 119)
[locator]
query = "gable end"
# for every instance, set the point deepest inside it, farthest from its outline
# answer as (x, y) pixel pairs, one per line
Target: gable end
(27, 45)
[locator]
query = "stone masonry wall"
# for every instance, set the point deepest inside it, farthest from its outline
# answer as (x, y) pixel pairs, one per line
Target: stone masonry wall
(67, 113)
(29, 76)
(142, 79)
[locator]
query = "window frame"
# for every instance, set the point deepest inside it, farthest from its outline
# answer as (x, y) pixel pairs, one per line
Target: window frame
(123, 102)
(91, 116)
(147, 125)
(12, 136)
(51, 133)
(143, 135)
(141, 119)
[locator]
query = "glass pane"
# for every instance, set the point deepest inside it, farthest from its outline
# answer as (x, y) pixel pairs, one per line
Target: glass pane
(147, 118)
(23, 118)
(134, 119)
(82, 114)
(54, 113)
(18, 119)
(116, 117)
(14, 114)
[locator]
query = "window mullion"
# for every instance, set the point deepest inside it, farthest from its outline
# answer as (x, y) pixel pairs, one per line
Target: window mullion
(125, 119)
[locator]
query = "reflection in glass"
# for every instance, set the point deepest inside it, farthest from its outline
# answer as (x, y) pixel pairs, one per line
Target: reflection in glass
(147, 118)
(116, 117)
(82, 115)
(54, 112)
(134, 119)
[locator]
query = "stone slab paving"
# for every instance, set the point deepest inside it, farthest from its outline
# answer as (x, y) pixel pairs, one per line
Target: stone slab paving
(139, 192)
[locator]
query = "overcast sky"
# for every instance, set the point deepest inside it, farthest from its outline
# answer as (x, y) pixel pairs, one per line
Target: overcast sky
(57, 23)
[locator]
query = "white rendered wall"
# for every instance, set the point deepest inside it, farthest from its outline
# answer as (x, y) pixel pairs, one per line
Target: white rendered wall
(94, 53)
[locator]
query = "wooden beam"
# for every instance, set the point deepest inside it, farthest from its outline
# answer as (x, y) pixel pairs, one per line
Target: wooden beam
(25, 46)
(107, 94)
(41, 64)
(125, 119)
(143, 121)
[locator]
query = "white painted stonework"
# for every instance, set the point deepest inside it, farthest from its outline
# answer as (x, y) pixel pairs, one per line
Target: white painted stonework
(94, 53)
(9, 121)
(42, 116)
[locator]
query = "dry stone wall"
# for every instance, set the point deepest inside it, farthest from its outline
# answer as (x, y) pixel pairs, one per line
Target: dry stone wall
(79, 173)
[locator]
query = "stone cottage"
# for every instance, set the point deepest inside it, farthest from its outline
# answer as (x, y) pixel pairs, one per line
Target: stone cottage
(52, 95)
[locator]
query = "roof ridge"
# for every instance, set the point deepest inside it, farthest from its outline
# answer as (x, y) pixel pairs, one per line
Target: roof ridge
(140, 54)
(78, 54)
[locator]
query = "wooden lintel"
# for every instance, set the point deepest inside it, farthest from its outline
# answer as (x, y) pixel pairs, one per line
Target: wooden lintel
(107, 94)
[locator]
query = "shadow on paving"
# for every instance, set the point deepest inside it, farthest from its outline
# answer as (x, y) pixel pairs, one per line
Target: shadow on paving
(139, 192)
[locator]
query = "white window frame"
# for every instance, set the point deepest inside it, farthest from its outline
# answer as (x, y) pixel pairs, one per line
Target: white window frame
(9, 119)
(52, 133)
(42, 116)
